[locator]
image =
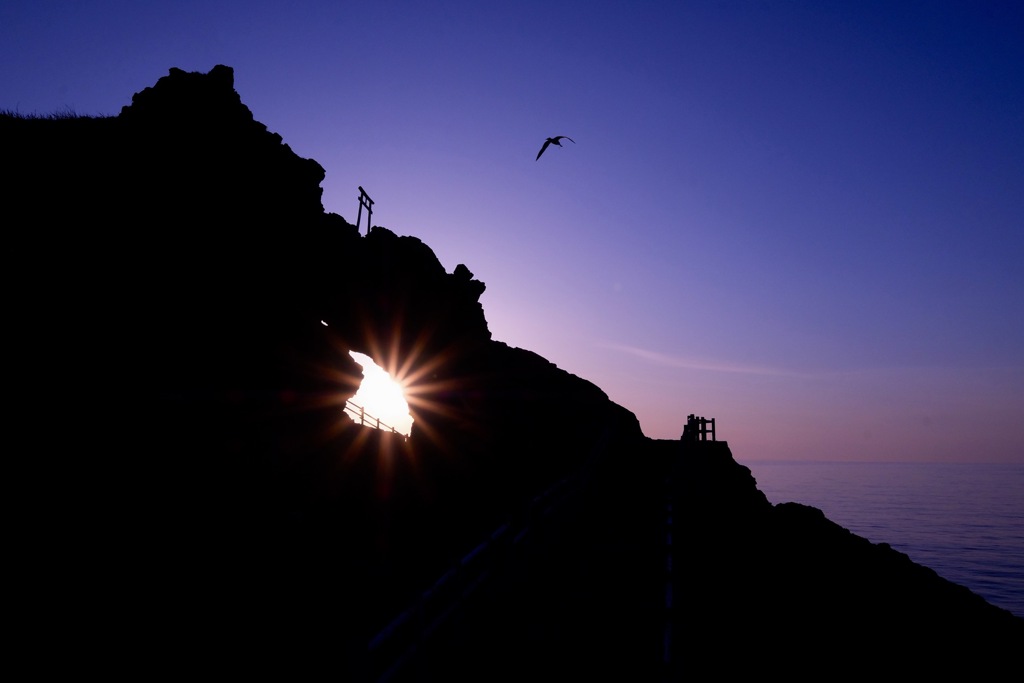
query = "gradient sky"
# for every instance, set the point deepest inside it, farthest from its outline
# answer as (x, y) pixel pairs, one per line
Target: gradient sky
(805, 219)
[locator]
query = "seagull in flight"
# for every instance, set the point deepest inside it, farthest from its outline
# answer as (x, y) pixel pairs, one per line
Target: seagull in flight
(554, 141)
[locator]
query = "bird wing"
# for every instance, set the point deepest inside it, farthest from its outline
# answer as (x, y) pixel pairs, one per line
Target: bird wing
(567, 138)
(546, 143)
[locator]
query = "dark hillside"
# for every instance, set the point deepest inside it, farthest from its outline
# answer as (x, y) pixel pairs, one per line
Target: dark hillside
(190, 489)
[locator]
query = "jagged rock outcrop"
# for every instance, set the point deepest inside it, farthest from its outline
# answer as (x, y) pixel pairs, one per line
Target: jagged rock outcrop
(182, 312)
(186, 317)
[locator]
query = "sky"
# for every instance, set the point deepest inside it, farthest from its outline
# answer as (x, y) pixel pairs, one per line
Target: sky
(804, 219)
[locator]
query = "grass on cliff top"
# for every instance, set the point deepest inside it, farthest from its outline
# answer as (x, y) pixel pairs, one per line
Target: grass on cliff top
(66, 113)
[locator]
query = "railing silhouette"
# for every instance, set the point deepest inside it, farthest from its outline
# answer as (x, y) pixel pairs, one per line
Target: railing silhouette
(696, 429)
(400, 641)
(360, 416)
(527, 531)
(526, 536)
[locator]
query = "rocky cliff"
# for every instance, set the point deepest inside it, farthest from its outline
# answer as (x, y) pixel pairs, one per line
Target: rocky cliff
(182, 312)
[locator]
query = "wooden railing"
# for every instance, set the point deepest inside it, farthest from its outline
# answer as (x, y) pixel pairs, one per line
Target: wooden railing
(397, 643)
(360, 416)
(696, 429)
(526, 532)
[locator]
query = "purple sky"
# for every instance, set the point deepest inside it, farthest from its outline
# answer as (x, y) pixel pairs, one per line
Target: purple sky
(805, 219)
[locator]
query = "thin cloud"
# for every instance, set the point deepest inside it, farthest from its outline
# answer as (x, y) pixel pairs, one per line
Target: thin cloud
(711, 366)
(666, 360)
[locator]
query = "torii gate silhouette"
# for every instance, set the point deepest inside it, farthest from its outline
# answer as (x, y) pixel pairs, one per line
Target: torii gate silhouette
(364, 201)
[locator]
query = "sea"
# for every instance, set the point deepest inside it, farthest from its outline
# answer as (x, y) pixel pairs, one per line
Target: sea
(965, 521)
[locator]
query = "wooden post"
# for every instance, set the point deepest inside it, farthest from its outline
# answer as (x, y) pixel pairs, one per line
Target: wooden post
(364, 200)
(697, 429)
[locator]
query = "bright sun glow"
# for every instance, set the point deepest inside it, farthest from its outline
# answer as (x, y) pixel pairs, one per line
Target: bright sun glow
(381, 396)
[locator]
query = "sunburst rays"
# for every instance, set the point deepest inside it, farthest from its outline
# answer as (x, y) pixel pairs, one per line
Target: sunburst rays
(436, 399)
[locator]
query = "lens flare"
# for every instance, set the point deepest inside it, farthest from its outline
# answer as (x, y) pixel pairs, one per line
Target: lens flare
(381, 396)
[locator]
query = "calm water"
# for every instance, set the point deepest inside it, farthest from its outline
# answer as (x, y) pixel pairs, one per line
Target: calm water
(964, 521)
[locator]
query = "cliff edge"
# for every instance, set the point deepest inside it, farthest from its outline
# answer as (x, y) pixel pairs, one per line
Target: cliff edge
(182, 314)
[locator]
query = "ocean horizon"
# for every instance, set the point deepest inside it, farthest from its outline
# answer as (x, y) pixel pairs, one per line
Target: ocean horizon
(965, 521)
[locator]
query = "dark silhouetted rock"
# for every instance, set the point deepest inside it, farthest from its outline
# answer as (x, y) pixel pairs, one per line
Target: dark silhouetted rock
(182, 311)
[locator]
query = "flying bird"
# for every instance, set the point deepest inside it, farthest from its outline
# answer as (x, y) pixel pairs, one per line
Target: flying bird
(554, 141)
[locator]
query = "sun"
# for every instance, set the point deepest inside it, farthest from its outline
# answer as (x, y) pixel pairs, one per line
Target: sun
(381, 396)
